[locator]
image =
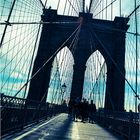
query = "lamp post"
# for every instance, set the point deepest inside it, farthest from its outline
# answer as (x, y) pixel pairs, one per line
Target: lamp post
(63, 88)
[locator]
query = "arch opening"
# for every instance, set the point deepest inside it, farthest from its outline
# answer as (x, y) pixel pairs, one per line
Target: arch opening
(61, 77)
(95, 79)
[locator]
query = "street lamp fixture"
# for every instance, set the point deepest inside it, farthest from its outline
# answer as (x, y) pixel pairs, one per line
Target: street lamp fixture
(63, 91)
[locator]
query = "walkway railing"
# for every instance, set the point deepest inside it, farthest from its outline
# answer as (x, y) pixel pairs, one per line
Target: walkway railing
(16, 113)
(125, 124)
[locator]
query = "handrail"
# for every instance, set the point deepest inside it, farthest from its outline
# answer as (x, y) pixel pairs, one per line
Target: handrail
(16, 113)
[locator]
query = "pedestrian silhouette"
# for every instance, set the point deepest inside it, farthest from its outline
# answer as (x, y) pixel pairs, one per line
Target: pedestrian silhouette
(92, 111)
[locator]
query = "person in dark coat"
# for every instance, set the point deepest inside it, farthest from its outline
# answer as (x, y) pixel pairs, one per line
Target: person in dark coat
(70, 106)
(84, 110)
(76, 108)
(92, 111)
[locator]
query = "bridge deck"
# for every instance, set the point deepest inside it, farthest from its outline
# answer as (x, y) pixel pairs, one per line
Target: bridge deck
(62, 128)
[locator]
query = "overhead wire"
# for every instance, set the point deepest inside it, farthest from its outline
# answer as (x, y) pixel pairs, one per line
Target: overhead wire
(32, 58)
(73, 7)
(75, 32)
(104, 8)
(65, 65)
(46, 61)
(41, 22)
(114, 29)
(15, 37)
(98, 61)
(115, 63)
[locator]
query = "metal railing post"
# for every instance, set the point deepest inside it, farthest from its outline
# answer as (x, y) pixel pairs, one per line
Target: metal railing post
(24, 116)
(130, 124)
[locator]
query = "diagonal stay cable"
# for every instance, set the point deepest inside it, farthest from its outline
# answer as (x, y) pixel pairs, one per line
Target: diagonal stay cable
(115, 64)
(104, 8)
(114, 29)
(67, 52)
(97, 5)
(133, 11)
(72, 6)
(91, 47)
(71, 46)
(91, 41)
(43, 6)
(16, 54)
(47, 60)
(97, 76)
(33, 56)
(93, 5)
(78, 5)
(8, 19)
(61, 62)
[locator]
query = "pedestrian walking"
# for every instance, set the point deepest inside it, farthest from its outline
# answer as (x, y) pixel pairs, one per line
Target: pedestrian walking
(92, 111)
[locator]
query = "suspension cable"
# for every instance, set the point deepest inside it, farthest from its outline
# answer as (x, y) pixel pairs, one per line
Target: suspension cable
(42, 3)
(47, 61)
(41, 22)
(73, 6)
(114, 29)
(33, 55)
(8, 19)
(77, 32)
(104, 8)
(114, 63)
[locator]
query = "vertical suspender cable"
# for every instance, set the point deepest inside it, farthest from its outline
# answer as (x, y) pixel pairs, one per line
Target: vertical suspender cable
(120, 7)
(58, 5)
(33, 55)
(106, 9)
(69, 9)
(8, 19)
(102, 8)
(136, 96)
(136, 27)
(65, 6)
(72, 7)
(111, 10)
